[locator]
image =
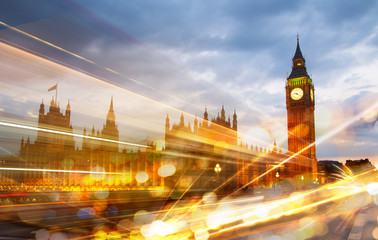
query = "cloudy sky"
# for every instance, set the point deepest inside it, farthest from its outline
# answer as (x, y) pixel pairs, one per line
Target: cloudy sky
(164, 57)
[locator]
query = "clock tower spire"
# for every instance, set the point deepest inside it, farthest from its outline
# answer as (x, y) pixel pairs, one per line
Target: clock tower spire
(300, 105)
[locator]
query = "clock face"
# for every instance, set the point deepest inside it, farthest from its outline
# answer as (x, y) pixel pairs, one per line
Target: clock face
(296, 93)
(312, 95)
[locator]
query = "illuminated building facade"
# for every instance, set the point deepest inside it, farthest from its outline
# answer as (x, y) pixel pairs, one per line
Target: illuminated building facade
(205, 154)
(208, 155)
(300, 105)
(196, 151)
(53, 163)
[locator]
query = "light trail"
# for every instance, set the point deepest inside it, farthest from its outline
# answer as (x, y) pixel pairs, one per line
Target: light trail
(56, 170)
(182, 195)
(342, 171)
(290, 212)
(77, 56)
(45, 42)
(70, 134)
(321, 140)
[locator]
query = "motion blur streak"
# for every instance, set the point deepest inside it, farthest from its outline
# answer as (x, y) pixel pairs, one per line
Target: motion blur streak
(320, 140)
(54, 170)
(45, 42)
(296, 210)
(70, 134)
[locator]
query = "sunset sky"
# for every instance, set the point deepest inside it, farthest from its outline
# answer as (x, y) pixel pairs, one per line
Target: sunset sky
(163, 57)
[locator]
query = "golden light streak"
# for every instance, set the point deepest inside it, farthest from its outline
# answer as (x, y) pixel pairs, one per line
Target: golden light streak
(45, 42)
(290, 211)
(182, 195)
(70, 134)
(319, 141)
(75, 55)
(112, 71)
(56, 170)
(342, 171)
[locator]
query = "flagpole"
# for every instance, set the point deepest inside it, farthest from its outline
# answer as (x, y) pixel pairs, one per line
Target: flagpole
(56, 94)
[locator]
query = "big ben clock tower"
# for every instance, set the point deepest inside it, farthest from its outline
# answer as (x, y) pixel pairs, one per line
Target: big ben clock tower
(300, 105)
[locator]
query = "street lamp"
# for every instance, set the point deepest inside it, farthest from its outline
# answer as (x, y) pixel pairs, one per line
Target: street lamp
(277, 176)
(217, 168)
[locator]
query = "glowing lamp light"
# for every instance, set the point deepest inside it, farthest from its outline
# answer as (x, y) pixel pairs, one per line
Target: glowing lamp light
(217, 168)
(372, 188)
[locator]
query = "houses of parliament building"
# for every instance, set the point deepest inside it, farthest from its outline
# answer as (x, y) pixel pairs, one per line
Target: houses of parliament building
(206, 154)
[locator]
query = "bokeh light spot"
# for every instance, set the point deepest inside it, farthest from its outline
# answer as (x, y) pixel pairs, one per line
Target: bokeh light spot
(100, 235)
(42, 234)
(141, 177)
(102, 194)
(375, 233)
(86, 213)
(112, 211)
(58, 236)
(209, 198)
(166, 170)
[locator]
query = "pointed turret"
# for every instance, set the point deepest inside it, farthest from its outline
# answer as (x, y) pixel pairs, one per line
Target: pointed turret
(42, 108)
(52, 104)
(206, 115)
(223, 114)
(275, 147)
(110, 118)
(22, 146)
(68, 109)
(182, 123)
(235, 121)
(195, 127)
(298, 52)
(299, 64)
(167, 124)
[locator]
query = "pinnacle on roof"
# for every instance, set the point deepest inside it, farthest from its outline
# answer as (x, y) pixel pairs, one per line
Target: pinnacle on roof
(298, 52)
(111, 104)
(111, 116)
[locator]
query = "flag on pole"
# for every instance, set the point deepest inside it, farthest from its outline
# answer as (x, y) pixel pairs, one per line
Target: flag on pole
(53, 87)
